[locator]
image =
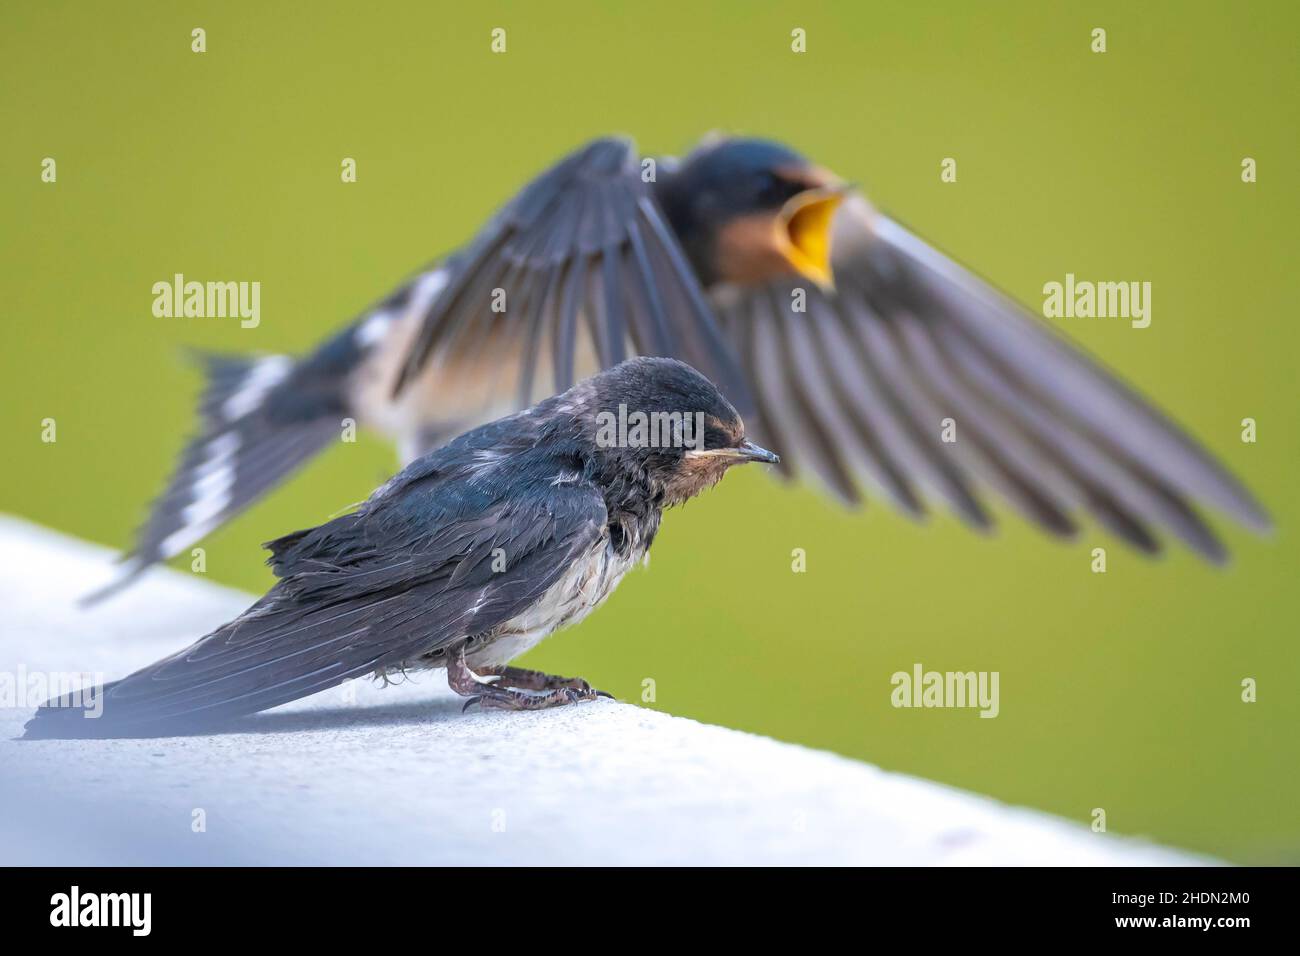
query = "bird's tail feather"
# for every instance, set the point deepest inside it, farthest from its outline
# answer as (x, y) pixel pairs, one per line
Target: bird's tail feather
(261, 418)
(86, 715)
(72, 715)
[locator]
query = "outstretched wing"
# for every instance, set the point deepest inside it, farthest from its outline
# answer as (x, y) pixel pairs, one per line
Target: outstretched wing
(580, 269)
(863, 382)
(410, 572)
(260, 420)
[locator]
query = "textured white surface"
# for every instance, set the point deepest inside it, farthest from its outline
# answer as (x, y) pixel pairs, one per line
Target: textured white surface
(377, 775)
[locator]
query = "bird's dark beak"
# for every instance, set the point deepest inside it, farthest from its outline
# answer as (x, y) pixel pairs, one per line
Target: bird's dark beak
(745, 451)
(804, 231)
(751, 452)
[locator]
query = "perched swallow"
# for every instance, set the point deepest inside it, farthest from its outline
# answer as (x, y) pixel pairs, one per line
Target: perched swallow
(848, 342)
(464, 560)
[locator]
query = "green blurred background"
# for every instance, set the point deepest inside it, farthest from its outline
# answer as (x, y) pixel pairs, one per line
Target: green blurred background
(1119, 691)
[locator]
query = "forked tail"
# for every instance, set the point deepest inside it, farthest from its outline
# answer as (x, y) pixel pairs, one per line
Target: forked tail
(261, 419)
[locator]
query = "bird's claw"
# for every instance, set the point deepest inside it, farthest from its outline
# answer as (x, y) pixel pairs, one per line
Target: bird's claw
(511, 700)
(516, 688)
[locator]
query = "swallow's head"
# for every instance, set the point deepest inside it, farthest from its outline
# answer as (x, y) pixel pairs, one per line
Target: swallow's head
(750, 210)
(659, 422)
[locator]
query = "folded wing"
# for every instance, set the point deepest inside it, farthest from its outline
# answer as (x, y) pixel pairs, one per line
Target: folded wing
(410, 572)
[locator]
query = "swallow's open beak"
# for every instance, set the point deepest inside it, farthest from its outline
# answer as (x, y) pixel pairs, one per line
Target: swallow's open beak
(745, 451)
(804, 231)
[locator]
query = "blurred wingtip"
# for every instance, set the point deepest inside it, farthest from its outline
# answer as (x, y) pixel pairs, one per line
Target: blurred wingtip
(132, 569)
(1258, 520)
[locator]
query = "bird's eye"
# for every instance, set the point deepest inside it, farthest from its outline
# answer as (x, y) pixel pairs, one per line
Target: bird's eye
(777, 189)
(773, 190)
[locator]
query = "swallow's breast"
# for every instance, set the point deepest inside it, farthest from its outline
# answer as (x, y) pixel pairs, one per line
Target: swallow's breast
(586, 584)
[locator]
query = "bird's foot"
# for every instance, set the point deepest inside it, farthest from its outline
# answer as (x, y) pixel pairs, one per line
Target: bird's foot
(521, 678)
(505, 693)
(492, 697)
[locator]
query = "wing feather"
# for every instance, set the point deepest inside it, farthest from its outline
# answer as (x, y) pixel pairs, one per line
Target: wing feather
(407, 574)
(1054, 368)
(855, 388)
(590, 210)
(900, 396)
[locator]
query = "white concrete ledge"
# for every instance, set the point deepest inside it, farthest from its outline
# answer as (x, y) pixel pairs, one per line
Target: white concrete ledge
(398, 776)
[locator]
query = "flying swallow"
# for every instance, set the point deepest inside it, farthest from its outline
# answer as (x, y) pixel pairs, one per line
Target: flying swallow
(857, 350)
(464, 560)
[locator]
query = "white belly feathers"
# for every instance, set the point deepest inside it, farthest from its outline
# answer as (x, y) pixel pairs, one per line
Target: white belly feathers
(587, 583)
